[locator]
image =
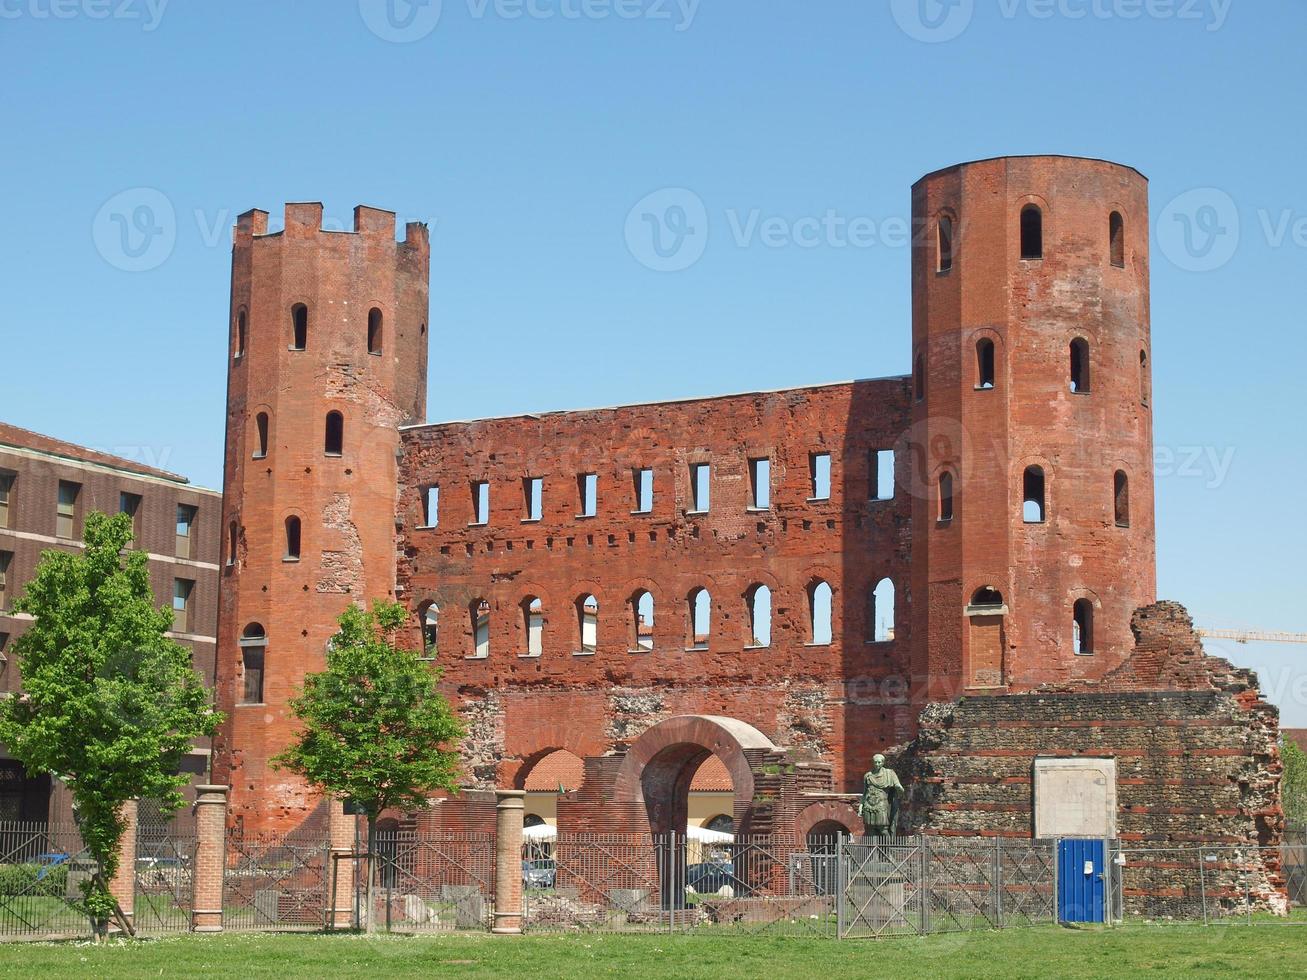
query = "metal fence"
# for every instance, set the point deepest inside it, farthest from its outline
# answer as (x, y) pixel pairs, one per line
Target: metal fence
(41, 868)
(165, 878)
(432, 882)
(273, 883)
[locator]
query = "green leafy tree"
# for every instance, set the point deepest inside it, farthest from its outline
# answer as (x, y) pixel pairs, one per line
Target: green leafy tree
(1293, 784)
(109, 703)
(376, 729)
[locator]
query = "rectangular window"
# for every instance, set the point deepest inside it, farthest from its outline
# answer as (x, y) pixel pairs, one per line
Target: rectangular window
(700, 487)
(760, 483)
(430, 506)
(4, 642)
(587, 487)
(533, 493)
(252, 658)
(6, 559)
(66, 514)
(185, 523)
(6, 491)
(480, 502)
(880, 474)
(181, 604)
(819, 469)
(130, 504)
(643, 491)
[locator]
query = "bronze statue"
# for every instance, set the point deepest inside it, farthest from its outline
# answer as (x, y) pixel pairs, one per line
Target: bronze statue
(879, 806)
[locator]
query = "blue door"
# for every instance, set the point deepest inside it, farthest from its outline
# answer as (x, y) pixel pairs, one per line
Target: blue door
(1081, 880)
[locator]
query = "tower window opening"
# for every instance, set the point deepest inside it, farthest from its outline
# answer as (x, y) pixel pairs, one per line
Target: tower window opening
(587, 617)
(642, 609)
(700, 487)
(945, 242)
(945, 497)
(1033, 504)
(881, 611)
(430, 619)
(533, 615)
(987, 597)
(1082, 628)
(299, 320)
(240, 334)
(644, 489)
(820, 608)
(292, 539)
(1144, 384)
(253, 644)
(261, 435)
(700, 616)
(1121, 498)
(587, 488)
(1032, 232)
(819, 471)
(334, 442)
(533, 493)
(479, 610)
(374, 331)
(880, 474)
(1116, 239)
(760, 483)
(1080, 365)
(232, 538)
(430, 505)
(984, 363)
(758, 602)
(480, 502)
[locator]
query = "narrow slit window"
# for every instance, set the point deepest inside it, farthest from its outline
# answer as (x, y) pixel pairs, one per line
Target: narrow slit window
(533, 492)
(700, 487)
(1032, 232)
(430, 505)
(1121, 498)
(181, 604)
(374, 331)
(292, 539)
(587, 488)
(883, 612)
(945, 243)
(945, 497)
(984, 363)
(261, 435)
(1033, 503)
(186, 515)
(480, 502)
(1080, 365)
(1082, 627)
(760, 483)
(1116, 239)
(239, 341)
(820, 630)
(642, 606)
(587, 616)
(232, 539)
(644, 490)
(480, 613)
(758, 600)
(700, 614)
(819, 471)
(334, 442)
(1145, 385)
(533, 615)
(430, 631)
(299, 321)
(253, 644)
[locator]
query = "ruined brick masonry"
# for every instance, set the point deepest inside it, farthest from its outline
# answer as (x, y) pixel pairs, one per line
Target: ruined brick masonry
(646, 585)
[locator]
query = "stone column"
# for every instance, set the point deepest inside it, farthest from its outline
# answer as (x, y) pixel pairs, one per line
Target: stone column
(123, 885)
(509, 810)
(340, 867)
(210, 858)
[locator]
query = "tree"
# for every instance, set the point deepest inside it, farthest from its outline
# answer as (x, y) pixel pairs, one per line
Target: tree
(376, 730)
(1293, 784)
(109, 703)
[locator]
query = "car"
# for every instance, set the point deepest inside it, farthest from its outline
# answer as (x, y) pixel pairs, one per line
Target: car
(48, 862)
(710, 876)
(539, 874)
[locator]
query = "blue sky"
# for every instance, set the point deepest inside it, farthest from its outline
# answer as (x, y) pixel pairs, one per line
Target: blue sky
(525, 134)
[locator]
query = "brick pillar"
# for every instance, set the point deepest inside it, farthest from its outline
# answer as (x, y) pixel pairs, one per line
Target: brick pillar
(509, 810)
(341, 832)
(123, 885)
(210, 858)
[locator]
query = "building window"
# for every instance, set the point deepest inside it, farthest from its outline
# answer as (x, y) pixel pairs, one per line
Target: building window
(882, 611)
(644, 490)
(374, 331)
(1145, 386)
(185, 525)
(181, 604)
(253, 644)
(261, 435)
(760, 483)
(987, 597)
(1082, 627)
(334, 441)
(820, 630)
(480, 502)
(430, 620)
(700, 488)
(587, 489)
(6, 492)
(480, 614)
(533, 618)
(984, 363)
(6, 559)
(239, 339)
(66, 511)
(231, 544)
(1080, 365)
(1121, 498)
(919, 377)
(1032, 232)
(642, 621)
(880, 474)
(430, 505)
(945, 242)
(758, 602)
(699, 608)
(130, 504)
(587, 616)
(1116, 238)
(533, 492)
(292, 539)
(945, 497)
(819, 473)
(299, 323)
(1033, 504)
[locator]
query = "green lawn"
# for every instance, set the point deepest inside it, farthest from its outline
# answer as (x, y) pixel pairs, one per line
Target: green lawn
(1171, 951)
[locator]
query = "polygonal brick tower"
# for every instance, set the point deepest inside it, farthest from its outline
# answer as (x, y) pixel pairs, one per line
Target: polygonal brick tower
(1032, 473)
(328, 358)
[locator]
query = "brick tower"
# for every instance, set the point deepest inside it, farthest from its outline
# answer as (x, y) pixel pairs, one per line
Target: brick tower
(1031, 471)
(327, 358)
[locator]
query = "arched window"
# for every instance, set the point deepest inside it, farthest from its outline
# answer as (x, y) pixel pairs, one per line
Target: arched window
(1082, 629)
(699, 609)
(945, 497)
(374, 331)
(299, 323)
(261, 435)
(1032, 232)
(239, 339)
(334, 443)
(479, 611)
(984, 363)
(758, 602)
(587, 618)
(1116, 239)
(820, 628)
(945, 242)
(232, 532)
(429, 617)
(533, 620)
(919, 377)
(987, 596)
(1080, 365)
(1145, 386)
(1033, 504)
(1121, 498)
(292, 539)
(881, 612)
(254, 645)
(642, 620)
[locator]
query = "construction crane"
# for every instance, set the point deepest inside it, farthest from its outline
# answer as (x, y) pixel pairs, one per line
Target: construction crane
(1252, 636)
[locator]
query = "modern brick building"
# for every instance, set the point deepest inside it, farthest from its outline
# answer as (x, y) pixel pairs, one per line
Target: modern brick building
(47, 487)
(788, 580)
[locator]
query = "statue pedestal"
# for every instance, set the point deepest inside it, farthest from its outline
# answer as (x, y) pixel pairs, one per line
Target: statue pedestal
(877, 894)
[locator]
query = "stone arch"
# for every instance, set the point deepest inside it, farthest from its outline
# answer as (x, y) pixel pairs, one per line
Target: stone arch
(826, 811)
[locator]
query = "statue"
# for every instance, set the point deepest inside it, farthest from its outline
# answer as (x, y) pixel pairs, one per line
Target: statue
(879, 806)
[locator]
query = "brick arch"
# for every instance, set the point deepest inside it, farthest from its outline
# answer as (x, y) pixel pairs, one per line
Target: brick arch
(827, 810)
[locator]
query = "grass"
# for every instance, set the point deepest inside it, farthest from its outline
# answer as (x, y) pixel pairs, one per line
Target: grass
(1226, 951)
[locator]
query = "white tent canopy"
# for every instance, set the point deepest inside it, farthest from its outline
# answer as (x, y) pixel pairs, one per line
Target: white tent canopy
(544, 832)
